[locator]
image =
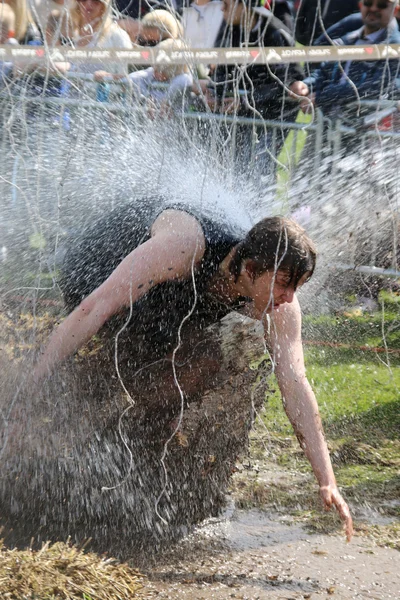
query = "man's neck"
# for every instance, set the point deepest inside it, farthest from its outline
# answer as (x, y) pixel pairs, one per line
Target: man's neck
(369, 31)
(201, 2)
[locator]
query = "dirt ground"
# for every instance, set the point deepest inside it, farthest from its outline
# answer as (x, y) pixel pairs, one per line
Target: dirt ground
(270, 553)
(253, 555)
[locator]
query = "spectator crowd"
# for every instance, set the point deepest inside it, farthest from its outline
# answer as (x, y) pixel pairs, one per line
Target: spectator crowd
(269, 91)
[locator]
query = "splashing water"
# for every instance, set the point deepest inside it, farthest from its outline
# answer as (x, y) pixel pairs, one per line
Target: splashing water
(63, 448)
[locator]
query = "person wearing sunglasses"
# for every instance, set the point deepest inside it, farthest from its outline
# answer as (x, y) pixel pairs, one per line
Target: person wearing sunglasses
(331, 87)
(348, 24)
(157, 26)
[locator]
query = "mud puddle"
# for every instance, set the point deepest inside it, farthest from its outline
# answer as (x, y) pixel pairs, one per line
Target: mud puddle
(252, 555)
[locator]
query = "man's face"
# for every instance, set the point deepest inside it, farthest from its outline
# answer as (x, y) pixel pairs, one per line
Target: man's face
(377, 14)
(233, 11)
(270, 290)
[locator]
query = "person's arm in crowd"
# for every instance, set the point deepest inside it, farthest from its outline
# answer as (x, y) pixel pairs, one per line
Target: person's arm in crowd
(131, 26)
(339, 29)
(176, 245)
(301, 405)
(177, 91)
(178, 85)
(382, 81)
(277, 77)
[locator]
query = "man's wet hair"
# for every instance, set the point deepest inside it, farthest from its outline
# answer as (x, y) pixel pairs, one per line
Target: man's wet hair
(276, 243)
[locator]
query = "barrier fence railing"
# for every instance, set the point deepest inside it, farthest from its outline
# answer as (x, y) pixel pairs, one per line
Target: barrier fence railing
(324, 135)
(245, 55)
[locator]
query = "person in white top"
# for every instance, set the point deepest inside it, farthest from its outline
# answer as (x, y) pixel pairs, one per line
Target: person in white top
(201, 23)
(89, 23)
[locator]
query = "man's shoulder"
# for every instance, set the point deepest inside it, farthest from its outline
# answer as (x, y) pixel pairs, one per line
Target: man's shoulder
(390, 35)
(394, 32)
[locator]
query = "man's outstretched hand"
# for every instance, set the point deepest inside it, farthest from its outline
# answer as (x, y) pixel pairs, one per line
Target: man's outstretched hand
(331, 497)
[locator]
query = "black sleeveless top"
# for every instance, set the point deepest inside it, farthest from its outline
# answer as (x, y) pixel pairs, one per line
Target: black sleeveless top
(156, 316)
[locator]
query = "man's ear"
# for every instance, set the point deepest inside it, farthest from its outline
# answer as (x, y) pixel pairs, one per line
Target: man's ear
(251, 269)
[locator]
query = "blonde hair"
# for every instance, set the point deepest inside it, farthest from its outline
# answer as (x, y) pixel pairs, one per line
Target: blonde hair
(75, 20)
(168, 69)
(23, 17)
(165, 22)
(7, 18)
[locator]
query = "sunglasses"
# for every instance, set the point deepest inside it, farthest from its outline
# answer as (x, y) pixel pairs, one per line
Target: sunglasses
(149, 43)
(380, 5)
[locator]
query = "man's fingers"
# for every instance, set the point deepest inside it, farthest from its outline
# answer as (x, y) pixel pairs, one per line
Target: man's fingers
(345, 515)
(332, 497)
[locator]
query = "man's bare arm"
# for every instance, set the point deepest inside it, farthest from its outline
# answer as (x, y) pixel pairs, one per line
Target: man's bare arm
(177, 244)
(301, 405)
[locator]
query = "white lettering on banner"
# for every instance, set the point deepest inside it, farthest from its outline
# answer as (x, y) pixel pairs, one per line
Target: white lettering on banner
(75, 54)
(237, 54)
(22, 52)
(208, 55)
(182, 55)
(231, 55)
(127, 54)
(352, 50)
(319, 52)
(99, 53)
(293, 52)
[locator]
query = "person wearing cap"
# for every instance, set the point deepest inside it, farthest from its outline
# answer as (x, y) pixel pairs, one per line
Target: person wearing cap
(332, 87)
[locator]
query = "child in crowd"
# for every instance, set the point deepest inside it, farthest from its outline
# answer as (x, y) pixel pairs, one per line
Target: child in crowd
(164, 86)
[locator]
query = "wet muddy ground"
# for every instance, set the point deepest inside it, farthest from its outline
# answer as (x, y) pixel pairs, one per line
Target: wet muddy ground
(252, 555)
(270, 552)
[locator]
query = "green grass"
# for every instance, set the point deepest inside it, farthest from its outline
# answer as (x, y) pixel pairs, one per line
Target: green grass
(358, 392)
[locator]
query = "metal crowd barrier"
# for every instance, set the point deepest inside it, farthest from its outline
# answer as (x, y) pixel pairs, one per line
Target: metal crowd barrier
(110, 104)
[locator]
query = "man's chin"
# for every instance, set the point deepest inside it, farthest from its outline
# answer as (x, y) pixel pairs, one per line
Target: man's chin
(373, 24)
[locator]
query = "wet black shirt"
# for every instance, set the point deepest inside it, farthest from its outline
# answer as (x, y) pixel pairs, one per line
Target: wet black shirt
(156, 317)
